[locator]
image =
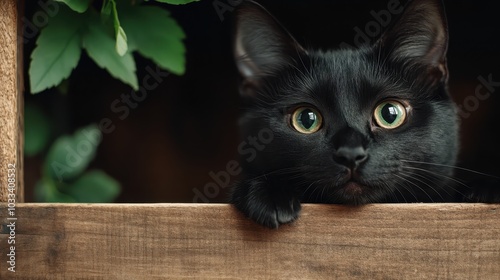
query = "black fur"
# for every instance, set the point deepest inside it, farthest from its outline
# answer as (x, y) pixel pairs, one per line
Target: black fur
(407, 164)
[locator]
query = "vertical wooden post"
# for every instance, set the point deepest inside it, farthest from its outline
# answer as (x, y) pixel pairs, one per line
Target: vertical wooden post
(11, 105)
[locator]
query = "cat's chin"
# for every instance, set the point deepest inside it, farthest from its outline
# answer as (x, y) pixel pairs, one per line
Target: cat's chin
(352, 188)
(355, 193)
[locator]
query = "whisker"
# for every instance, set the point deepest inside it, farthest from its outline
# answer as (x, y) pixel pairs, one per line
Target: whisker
(409, 190)
(429, 182)
(409, 175)
(415, 186)
(319, 182)
(310, 185)
(393, 193)
(441, 175)
(281, 171)
(406, 201)
(453, 166)
(445, 176)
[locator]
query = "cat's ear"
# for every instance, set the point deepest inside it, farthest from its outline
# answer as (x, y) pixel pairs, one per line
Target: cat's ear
(261, 44)
(420, 36)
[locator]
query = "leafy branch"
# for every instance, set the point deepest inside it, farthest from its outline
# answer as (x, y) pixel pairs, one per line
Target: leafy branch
(65, 177)
(109, 35)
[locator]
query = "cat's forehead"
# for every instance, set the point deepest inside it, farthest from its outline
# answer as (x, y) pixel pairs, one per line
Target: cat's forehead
(346, 84)
(345, 67)
(346, 76)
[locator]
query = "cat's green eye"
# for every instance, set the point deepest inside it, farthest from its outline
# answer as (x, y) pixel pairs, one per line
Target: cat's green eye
(390, 114)
(306, 120)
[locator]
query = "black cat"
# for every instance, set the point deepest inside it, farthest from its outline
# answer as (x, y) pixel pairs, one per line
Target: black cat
(351, 126)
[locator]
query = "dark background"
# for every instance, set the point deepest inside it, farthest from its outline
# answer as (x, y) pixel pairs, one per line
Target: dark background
(187, 127)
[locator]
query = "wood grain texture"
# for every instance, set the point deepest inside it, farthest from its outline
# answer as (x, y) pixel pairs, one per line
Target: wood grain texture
(214, 241)
(9, 119)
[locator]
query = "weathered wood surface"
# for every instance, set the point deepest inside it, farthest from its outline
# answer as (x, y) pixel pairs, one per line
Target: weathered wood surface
(10, 138)
(213, 241)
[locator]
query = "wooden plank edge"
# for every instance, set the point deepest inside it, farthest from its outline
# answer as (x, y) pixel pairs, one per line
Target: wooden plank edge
(9, 114)
(379, 241)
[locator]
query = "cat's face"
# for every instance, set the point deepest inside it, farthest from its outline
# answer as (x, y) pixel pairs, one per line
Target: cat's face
(351, 126)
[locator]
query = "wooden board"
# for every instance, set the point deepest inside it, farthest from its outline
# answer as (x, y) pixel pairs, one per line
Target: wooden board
(10, 99)
(214, 241)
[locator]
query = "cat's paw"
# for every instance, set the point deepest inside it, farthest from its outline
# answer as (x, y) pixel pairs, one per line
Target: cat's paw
(254, 200)
(270, 214)
(288, 212)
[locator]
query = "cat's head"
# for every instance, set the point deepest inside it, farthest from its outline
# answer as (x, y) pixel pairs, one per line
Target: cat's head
(350, 125)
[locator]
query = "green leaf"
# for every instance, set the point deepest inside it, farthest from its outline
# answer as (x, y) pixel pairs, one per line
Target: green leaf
(57, 52)
(108, 8)
(69, 156)
(155, 35)
(79, 6)
(121, 42)
(46, 191)
(94, 187)
(37, 130)
(100, 46)
(176, 2)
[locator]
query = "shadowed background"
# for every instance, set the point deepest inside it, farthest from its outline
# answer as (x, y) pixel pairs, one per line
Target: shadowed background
(187, 126)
